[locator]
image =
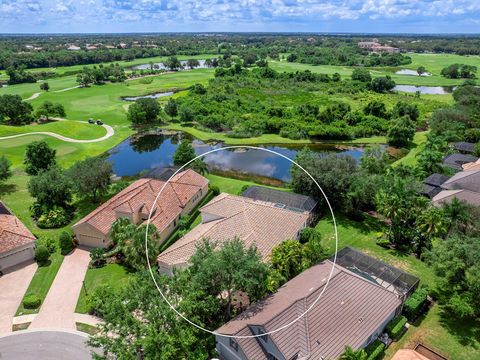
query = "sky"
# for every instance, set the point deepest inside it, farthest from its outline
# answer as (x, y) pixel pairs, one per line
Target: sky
(351, 16)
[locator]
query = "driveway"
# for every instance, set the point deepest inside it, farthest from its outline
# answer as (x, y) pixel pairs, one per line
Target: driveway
(13, 286)
(57, 311)
(44, 345)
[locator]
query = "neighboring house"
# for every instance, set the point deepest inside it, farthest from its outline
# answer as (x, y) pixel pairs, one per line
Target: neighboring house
(73, 48)
(284, 199)
(456, 161)
(447, 196)
(178, 198)
(226, 217)
(353, 310)
(432, 184)
(17, 243)
(471, 165)
(464, 147)
(468, 180)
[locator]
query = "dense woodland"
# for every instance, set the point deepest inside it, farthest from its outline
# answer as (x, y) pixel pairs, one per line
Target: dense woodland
(331, 49)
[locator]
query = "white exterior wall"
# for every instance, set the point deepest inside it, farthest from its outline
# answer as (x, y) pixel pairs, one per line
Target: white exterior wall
(17, 256)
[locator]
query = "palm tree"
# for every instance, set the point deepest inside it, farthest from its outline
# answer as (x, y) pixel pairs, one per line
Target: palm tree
(351, 354)
(458, 214)
(432, 222)
(200, 167)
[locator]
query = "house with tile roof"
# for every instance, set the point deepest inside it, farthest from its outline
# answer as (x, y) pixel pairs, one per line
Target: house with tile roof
(353, 310)
(255, 222)
(432, 184)
(179, 197)
(468, 180)
(456, 161)
(17, 243)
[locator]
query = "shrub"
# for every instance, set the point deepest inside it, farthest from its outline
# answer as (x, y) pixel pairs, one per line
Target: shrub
(214, 189)
(66, 243)
(31, 301)
(54, 218)
(414, 303)
(395, 327)
(48, 242)
(41, 254)
(375, 350)
(308, 234)
(184, 222)
(36, 210)
(97, 258)
(383, 242)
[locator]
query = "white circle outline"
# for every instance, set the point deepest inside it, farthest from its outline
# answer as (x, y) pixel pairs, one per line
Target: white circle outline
(283, 326)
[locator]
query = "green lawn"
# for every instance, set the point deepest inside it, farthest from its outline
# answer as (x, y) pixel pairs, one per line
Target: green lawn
(71, 129)
(113, 275)
(41, 282)
(457, 340)
(411, 159)
(434, 63)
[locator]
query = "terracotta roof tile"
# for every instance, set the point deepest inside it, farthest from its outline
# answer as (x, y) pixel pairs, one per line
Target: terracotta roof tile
(254, 222)
(13, 233)
(141, 194)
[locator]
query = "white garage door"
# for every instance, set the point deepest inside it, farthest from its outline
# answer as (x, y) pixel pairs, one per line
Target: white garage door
(15, 258)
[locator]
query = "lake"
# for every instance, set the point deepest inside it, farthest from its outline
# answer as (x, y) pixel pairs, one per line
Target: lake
(432, 90)
(142, 153)
(161, 66)
(150, 96)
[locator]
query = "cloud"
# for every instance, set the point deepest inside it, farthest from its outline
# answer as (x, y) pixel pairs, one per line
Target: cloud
(221, 15)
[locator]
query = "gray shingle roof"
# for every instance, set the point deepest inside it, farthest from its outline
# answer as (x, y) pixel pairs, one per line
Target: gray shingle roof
(468, 180)
(435, 179)
(455, 161)
(464, 146)
(288, 199)
(350, 310)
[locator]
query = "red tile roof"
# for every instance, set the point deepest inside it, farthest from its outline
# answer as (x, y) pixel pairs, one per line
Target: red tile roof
(350, 310)
(141, 194)
(13, 233)
(254, 222)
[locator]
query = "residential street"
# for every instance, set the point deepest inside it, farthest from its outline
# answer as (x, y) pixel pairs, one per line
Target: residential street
(12, 288)
(57, 311)
(44, 345)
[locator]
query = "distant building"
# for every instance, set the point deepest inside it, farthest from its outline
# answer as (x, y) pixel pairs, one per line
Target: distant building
(464, 147)
(17, 243)
(447, 196)
(73, 48)
(377, 47)
(91, 47)
(432, 184)
(178, 198)
(353, 310)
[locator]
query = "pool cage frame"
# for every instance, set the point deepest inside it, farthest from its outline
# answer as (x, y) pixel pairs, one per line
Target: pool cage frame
(378, 272)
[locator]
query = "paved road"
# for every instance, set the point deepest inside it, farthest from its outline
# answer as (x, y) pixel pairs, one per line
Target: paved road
(12, 288)
(110, 133)
(44, 345)
(57, 311)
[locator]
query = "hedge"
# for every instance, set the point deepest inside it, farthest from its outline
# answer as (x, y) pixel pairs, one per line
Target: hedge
(414, 303)
(395, 327)
(31, 301)
(375, 350)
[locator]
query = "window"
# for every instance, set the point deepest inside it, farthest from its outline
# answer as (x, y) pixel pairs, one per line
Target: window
(233, 344)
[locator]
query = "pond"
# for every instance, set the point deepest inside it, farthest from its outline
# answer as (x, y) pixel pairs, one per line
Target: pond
(150, 96)
(143, 153)
(161, 66)
(411, 72)
(432, 90)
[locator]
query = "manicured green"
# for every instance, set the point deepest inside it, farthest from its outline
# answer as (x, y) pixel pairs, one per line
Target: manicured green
(71, 129)
(41, 282)
(457, 340)
(434, 63)
(113, 275)
(362, 235)
(419, 141)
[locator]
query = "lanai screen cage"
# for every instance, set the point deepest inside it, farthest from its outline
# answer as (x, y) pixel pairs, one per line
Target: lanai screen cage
(377, 271)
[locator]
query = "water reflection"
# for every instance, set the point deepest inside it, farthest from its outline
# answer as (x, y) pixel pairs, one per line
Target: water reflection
(432, 90)
(143, 153)
(161, 66)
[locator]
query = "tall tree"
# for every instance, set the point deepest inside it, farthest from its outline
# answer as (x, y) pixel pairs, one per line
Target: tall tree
(144, 111)
(171, 108)
(48, 109)
(184, 153)
(14, 110)
(51, 188)
(45, 86)
(401, 132)
(5, 171)
(91, 176)
(38, 156)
